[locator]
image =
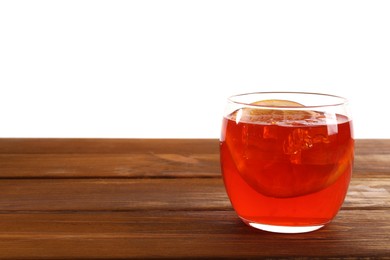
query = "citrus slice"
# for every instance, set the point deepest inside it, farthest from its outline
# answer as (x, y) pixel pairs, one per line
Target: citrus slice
(274, 111)
(277, 103)
(293, 161)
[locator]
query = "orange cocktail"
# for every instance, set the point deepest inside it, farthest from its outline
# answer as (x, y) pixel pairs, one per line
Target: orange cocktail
(286, 166)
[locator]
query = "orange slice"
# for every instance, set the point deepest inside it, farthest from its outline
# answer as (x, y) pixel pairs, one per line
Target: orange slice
(277, 103)
(284, 173)
(273, 111)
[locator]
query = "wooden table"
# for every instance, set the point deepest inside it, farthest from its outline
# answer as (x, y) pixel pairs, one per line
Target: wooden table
(131, 198)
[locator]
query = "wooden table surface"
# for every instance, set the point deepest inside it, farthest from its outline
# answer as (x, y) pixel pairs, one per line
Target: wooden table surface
(133, 198)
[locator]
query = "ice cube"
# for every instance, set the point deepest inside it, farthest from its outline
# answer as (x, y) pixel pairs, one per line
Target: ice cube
(297, 141)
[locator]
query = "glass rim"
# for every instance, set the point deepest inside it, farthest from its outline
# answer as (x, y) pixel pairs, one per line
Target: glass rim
(341, 100)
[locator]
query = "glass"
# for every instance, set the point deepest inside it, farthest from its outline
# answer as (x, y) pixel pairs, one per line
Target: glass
(286, 158)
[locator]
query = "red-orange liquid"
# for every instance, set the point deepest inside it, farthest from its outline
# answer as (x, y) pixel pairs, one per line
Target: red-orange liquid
(287, 174)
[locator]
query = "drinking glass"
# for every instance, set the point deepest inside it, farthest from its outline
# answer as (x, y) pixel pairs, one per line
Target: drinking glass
(286, 158)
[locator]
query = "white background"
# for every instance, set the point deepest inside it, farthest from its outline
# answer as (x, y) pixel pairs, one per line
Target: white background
(162, 69)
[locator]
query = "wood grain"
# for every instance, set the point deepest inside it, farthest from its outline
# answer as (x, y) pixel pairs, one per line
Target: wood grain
(152, 194)
(153, 198)
(109, 165)
(105, 146)
(184, 234)
(136, 158)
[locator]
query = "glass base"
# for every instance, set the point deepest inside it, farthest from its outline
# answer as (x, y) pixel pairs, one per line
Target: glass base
(282, 229)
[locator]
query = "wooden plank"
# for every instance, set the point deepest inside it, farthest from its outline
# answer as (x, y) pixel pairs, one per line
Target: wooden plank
(151, 194)
(161, 165)
(368, 193)
(358, 234)
(372, 162)
(85, 158)
(372, 146)
(143, 165)
(111, 194)
(106, 146)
